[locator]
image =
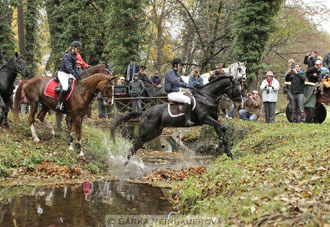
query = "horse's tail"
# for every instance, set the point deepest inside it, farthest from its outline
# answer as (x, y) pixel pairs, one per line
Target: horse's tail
(17, 101)
(121, 119)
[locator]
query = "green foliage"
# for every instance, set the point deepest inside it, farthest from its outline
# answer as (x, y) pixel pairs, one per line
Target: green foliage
(31, 34)
(7, 40)
(76, 20)
(254, 25)
(126, 32)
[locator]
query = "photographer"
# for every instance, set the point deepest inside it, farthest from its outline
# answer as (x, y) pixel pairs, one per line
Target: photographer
(310, 59)
(252, 105)
(297, 78)
(270, 88)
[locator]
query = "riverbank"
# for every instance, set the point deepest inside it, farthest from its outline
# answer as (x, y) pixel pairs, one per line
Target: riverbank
(280, 176)
(22, 158)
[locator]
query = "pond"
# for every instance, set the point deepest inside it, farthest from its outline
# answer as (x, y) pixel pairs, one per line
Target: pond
(86, 204)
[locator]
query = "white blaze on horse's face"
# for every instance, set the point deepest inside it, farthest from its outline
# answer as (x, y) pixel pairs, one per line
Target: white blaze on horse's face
(241, 70)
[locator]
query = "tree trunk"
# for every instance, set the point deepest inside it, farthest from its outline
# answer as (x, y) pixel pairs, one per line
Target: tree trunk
(20, 21)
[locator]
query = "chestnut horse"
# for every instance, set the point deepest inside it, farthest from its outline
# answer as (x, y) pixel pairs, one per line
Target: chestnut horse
(100, 68)
(76, 107)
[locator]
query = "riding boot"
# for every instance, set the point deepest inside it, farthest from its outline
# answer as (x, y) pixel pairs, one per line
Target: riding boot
(60, 104)
(188, 121)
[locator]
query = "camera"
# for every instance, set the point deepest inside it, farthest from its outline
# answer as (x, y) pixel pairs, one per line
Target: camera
(293, 66)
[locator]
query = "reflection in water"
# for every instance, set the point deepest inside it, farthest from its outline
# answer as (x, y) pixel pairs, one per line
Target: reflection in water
(85, 204)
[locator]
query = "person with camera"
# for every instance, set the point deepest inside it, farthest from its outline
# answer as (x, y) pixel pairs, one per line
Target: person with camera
(195, 79)
(297, 77)
(270, 87)
(313, 75)
(310, 59)
(252, 107)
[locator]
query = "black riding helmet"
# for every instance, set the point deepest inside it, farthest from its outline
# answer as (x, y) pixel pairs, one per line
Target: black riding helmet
(76, 44)
(176, 61)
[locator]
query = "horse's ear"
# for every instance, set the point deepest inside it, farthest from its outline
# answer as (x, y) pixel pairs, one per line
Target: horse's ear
(16, 54)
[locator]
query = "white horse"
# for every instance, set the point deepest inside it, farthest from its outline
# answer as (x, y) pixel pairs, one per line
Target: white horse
(237, 70)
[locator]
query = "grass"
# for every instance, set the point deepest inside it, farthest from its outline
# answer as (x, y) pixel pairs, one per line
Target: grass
(281, 176)
(17, 149)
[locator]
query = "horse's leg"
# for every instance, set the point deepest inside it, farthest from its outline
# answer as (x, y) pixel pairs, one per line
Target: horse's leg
(146, 134)
(33, 110)
(220, 129)
(2, 106)
(59, 117)
(41, 116)
(77, 122)
(68, 121)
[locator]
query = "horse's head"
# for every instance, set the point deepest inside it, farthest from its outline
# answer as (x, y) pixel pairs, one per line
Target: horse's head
(234, 91)
(108, 68)
(20, 65)
(241, 70)
(106, 87)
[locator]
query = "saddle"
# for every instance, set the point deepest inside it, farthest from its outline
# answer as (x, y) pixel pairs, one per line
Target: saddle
(176, 109)
(53, 89)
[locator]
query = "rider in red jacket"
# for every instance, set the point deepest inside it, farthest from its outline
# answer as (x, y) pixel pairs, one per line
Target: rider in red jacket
(80, 62)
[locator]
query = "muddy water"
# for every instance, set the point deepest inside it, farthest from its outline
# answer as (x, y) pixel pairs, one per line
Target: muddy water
(86, 204)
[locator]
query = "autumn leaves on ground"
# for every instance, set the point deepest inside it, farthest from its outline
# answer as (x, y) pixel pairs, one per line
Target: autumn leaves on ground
(281, 174)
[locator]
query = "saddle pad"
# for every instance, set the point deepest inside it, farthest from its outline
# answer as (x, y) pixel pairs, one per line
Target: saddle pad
(50, 90)
(176, 109)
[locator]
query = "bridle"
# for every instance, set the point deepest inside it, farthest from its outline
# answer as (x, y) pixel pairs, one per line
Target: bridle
(231, 87)
(108, 85)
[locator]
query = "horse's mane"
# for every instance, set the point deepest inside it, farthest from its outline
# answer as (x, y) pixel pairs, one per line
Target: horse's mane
(214, 81)
(96, 76)
(7, 63)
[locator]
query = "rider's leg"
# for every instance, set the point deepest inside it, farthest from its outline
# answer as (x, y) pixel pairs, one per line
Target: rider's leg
(64, 80)
(180, 97)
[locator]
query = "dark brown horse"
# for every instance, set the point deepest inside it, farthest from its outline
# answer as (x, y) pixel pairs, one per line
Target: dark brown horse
(76, 107)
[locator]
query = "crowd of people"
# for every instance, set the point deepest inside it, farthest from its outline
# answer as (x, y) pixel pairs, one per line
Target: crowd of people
(253, 105)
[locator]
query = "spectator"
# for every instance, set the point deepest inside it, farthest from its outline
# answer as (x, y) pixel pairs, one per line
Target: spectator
(104, 110)
(252, 105)
(270, 88)
(324, 73)
(143, 76)
(135, 89)
(131, 69)
(195, 79)
(218, 72)
(310, 59)
(326, 60)
(156, 80)
(121, 81)
(297, 78)
(314, 75)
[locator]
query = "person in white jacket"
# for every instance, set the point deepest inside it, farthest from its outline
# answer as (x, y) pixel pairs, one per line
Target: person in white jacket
(270, 88)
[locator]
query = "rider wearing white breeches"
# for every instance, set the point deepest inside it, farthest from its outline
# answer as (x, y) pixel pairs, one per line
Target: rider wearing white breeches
(68, 70)
(173, 82)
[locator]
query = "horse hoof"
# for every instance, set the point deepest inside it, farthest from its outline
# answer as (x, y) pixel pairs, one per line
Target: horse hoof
(71, 148)
(82, 157)
(232, 157)
(36, 139)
